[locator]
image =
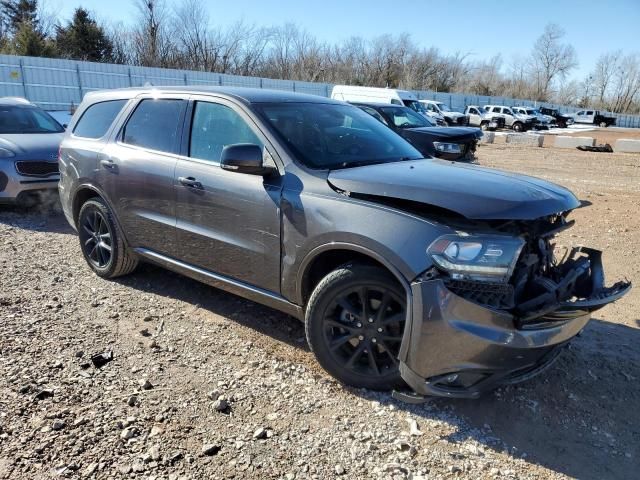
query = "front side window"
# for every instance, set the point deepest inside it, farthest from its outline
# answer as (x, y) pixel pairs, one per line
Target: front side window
(214, 127)
(21, 119)
(97, 119)
(155, 124)
(328, 136)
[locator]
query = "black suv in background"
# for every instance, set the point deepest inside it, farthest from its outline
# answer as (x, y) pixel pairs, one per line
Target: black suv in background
(563, 121)
(438, 274)
(449, 143)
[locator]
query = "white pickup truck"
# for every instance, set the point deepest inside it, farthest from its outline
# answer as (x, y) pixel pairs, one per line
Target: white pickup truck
(478, 117)
(452, 118)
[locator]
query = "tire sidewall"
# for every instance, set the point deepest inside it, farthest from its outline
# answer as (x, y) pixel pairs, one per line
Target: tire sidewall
(89, 206)
(341, 279)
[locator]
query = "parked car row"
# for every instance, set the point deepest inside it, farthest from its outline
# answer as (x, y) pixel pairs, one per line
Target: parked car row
(488, 117)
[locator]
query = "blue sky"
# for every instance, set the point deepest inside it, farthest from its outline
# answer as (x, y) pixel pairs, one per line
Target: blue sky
(480, 28)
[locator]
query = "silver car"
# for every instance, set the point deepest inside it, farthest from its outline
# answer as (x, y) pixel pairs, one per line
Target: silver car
(29, 142)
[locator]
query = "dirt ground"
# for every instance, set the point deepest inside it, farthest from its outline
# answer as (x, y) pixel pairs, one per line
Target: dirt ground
(234, 392)
(609, 135)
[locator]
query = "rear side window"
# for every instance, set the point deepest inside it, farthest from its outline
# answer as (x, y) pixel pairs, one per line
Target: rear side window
(97, 119)
(155, 125)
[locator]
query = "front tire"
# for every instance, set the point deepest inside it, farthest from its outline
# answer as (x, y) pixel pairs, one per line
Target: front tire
(354, 324)
(517, 127)
(101, 241)
(603, 125)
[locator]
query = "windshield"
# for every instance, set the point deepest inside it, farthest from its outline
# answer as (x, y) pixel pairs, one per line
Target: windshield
(443, 107)
(15, 119)
(327, 136)
(531, 111)
(405, 118)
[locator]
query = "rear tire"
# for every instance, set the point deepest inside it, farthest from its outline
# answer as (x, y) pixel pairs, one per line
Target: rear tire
(603, 125)
(517, 127)
(354, 324)
(102, 242)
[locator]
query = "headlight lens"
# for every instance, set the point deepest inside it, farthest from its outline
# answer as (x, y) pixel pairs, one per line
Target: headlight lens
(6, 153)
(488, 258)
(448, 147)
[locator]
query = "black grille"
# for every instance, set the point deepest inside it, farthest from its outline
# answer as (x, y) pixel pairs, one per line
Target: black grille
(37, 168)
(494, 295)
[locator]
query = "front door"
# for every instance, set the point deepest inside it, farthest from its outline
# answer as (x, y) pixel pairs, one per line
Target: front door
(227, 222)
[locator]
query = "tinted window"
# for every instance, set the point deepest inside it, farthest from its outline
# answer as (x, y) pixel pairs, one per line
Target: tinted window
(405, 118)
(97, 119)
(214, 127)
(374, 114)
(335, 136)
(14, 119)
(155, 125)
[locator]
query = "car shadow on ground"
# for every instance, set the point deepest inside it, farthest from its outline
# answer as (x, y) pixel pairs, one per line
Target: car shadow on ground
(579, 418)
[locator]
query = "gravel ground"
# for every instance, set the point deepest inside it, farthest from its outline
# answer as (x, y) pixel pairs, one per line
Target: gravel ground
(203, 384)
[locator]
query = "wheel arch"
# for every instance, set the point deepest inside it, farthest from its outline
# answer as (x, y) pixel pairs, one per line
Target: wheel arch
(326, 258)
(85, 192)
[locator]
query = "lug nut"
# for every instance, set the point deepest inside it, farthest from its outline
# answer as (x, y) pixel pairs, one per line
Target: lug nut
(379, 329)
(358, 325)
(360, 337)
(371, 320)
(373, 340)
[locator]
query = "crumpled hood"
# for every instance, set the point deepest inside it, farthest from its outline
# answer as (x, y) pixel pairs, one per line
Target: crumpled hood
(33, 144)
(474, 192)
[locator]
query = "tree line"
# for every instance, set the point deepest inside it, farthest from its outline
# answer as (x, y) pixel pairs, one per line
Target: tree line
(183, 36)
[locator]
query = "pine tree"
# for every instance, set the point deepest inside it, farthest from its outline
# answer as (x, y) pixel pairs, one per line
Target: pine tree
(16, 12)
(83, 39)
(29, 41)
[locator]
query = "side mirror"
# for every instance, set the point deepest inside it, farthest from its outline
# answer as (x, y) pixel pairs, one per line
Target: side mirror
(244, 158)
(65, 125)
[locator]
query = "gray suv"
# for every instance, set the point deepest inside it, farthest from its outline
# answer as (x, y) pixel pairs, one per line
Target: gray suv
(405, 270)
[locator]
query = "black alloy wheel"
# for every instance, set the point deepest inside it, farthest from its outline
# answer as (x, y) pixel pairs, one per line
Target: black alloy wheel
(355, 323)
(101, 241)
(96, 239)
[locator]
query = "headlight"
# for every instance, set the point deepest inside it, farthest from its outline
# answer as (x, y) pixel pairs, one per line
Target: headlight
(6, 153)
(489, 258)
(448, 147)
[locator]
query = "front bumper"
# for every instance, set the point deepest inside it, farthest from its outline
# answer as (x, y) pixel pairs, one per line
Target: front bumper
(454, 347)
(14, 186)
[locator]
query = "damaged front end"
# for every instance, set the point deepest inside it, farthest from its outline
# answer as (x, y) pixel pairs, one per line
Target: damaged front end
(495, 308)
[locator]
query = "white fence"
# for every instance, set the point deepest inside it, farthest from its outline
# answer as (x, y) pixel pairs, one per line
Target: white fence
(55, 84)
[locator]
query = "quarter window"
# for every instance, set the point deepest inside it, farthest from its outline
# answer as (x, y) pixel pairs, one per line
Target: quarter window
(97, 119)
(155, 125)
(214, 127)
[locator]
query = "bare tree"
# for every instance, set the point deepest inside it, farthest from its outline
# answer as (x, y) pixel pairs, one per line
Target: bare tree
(551, 59)
(151, 38)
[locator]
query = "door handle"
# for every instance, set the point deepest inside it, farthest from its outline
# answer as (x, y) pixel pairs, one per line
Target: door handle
(108, 164)
(190, 182)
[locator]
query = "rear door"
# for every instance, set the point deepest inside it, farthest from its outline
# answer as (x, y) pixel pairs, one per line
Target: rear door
(228, 222)
(139, 170)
